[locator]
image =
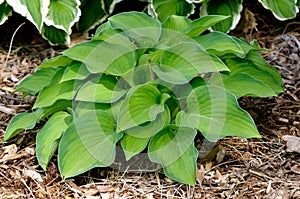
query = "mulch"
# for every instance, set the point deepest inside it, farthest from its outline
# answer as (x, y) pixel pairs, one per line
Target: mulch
(237, 168)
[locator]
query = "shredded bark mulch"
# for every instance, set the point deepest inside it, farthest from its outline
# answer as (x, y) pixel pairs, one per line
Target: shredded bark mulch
(236, 168)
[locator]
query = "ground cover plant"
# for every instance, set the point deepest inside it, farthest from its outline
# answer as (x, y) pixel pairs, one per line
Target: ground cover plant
(142, 84)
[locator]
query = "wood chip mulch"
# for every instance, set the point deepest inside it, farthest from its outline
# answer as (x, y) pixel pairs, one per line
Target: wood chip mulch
(238, 168)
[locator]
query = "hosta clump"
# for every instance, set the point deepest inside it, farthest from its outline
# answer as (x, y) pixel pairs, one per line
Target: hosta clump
(144, 85)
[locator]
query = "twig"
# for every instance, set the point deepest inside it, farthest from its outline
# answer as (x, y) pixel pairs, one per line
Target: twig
(11, 41)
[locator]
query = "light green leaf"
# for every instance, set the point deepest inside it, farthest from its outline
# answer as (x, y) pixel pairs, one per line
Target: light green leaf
(142, 104)
(219, 44)
(5, 12)
(181, 63)
(105, 31)
(149, 129)
(50, 94)
(162, 9)
(55, 62)
(75, 70)
(34, 10)
(48, 137)
(175, 25)
(174, 148)
(117, 55)
(203, 23)
(92, 13)
(63, 14)
(37, 81)
(19, 123)
(90, 141)
(282, 10)
(141, 28)
(246, 78)
(215, 112)
(99, 92)
(133, 145)
(230, 8)
(82, 107)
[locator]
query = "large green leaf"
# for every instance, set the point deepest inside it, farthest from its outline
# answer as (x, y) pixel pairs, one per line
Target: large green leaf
(75, 70)
(48, 137)
(98, 91)
(63, 14)
(282, 10)
(133, 145)
(162, 9)
(5, 11)
(55, 62)
(34, 10)
(245, 78)
(174, 148)
(117, 55)
(142, 104)
(203, 23)
(143, 29)
(36, 82)
(50, 94)
(215, 112)
(92, 13)
(219, 44)
(90, 141)
(21, 122)
(181, 63)
(230, 8)
(175, 25)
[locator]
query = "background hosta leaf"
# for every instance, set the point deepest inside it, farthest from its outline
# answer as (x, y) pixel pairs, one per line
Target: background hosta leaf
(48, 137)
(282, 10)
(142, 104)
(245, 78)
(117, 55)
(34, 10)
(36, 82)
(87, 143)
(230, 8)
(164, 8)
(174, 148)
(143, 29)
(216, 113)
(63, 14)
(181, 63)
(5, 11)
(92, 13)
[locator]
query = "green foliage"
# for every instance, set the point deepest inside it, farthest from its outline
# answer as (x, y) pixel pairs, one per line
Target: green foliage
(139, 84)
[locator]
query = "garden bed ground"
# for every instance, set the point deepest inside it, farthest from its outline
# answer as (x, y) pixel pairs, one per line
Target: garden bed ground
(250, 168)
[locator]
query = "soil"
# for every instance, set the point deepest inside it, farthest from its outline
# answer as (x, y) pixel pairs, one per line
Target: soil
(236, 168)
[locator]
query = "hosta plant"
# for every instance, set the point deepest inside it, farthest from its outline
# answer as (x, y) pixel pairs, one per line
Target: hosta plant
(55, 19)
(144, 86)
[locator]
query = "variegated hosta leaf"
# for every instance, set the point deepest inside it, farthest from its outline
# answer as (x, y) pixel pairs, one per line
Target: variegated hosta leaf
(63, 14)
(281, 9)
(230, 8)
(5, 11)
(34, 10)
(162, 9)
